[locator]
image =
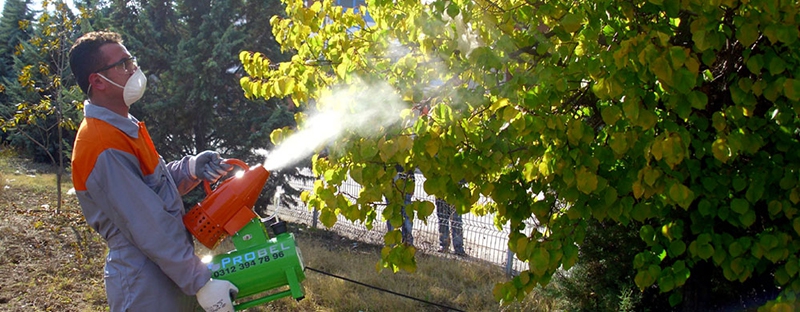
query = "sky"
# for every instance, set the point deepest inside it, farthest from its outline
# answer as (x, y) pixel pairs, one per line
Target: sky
(35, 3)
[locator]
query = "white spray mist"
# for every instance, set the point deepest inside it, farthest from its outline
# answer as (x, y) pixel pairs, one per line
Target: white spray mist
(361, 108)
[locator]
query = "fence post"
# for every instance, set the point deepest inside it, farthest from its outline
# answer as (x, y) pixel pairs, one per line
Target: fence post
(509, 262)
(314, 218)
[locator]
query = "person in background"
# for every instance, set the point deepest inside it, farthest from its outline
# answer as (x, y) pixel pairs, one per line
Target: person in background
(405, 180)
(449, 221)
(132, 197)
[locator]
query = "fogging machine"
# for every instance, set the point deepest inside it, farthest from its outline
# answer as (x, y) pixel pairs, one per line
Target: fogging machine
(258, 264)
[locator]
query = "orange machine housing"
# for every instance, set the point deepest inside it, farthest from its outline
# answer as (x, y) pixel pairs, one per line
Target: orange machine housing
(228, 208)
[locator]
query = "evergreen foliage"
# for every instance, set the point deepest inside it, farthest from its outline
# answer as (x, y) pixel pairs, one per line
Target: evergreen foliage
(14, 11)
(11, 36)
(188, 50)
(40, 102)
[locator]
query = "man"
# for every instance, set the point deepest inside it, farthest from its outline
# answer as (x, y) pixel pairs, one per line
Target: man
(449, 220)
(129, 194)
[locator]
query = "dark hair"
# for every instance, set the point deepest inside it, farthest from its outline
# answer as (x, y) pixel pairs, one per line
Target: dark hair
(85, 57)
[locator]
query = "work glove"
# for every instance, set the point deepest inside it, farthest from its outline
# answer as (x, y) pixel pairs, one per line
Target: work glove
(208, 166)
(216, 296)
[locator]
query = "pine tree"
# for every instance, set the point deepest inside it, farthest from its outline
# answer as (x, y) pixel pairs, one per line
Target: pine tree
(11, 35)
(189, 52)
(14, 12)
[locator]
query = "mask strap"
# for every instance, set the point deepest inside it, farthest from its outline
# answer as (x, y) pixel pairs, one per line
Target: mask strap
(109, 81)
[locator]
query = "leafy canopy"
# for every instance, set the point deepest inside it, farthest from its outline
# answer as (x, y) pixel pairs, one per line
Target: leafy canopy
(678, 117)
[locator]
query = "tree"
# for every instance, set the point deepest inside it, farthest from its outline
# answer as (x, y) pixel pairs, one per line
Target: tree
(11, 36)
(188, 50)
(45, 105)
(676, 118)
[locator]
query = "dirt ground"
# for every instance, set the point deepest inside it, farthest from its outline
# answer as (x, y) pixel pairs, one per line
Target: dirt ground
(50, 260)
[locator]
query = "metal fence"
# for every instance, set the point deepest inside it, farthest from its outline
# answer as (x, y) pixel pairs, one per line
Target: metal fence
(482, 240)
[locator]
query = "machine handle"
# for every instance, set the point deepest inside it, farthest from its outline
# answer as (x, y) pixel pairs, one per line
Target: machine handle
(230, 161)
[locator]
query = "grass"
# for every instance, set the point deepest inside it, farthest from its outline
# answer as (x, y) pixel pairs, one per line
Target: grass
(52, 261)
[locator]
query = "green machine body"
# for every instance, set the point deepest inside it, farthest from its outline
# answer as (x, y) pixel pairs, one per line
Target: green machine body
(261, 265)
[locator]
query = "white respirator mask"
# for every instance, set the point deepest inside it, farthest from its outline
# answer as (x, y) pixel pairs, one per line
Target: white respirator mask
(133, 89)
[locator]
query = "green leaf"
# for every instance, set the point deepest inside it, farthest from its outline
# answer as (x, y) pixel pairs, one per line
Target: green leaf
(735, 249)
(642, 211)
(791, 88)
(698, 99)
(648, 234)
(643, 279)
(540, 260)
(423, 209)
(705, 208)
(719, 256)
(775, 64)
(452, 10)
(754, 192)
(681, 195)
(739, 184)
(787, 34)
(677, 248)
(675, 298)
(739, 205)
(666, 282)
(571, 22)
(701, 247)
(755, 63)
(791, 266)
(570, 256)
(610, 114)
(327, 217)
(747, 33)
(705, 251)
(774, 207)
(684, 82)
(796, 225)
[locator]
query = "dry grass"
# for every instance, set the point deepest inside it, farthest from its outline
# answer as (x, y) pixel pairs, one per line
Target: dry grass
(448, 282)
(52, 261)
(48, 261)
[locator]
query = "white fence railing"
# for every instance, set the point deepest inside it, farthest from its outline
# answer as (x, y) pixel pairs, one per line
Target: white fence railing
(482, 240)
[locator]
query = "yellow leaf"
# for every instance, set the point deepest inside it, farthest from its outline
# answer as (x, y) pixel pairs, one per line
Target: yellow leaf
(795, 196)
(276, 136)
(574, 131)
(651, 175)
(404, 143)
(522, 245)
(431, 148)
(656, 149)
(638, 190)
(647, 119)
(587, 181)
(721, 150)
(673, 150)
(662, 70)
(693, 65)
(681, 195)
(618, 143)
(498, 104)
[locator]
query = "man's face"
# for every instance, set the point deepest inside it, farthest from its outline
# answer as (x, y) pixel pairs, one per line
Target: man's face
(118, 56)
